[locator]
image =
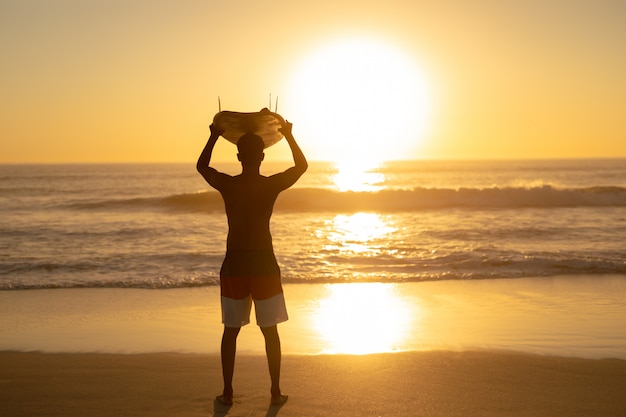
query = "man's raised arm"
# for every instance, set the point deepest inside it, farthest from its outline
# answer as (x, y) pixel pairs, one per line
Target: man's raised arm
(300, 163)
(211, 175)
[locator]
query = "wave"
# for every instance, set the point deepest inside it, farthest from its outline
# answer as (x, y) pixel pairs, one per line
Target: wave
(320, 199)
(151, 284)
(196, 272)
(156, 284)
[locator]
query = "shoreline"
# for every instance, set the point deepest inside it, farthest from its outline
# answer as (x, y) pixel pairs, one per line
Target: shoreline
(431, 384)
(571, 316)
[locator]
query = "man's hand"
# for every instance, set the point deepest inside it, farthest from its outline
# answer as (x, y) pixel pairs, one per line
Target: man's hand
(286, 129)
(215, 131)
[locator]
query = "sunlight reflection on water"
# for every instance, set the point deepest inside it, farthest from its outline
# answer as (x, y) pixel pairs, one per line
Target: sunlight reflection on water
(358, 232)
(358, 176)
(363, 318)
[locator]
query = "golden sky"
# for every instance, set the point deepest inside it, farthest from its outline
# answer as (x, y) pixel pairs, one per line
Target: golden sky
(138, 80)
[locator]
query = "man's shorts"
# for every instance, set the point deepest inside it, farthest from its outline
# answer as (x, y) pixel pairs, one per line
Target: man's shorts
(248, 276)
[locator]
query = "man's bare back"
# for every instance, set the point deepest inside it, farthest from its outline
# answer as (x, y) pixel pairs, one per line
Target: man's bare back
(249, 201)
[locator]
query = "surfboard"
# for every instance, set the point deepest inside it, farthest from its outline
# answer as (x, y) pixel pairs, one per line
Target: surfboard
(264, 123)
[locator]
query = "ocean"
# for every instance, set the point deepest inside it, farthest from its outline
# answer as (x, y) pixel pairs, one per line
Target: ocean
(160, 226)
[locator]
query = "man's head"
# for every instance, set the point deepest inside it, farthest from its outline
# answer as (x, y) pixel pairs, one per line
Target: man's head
(250, 147)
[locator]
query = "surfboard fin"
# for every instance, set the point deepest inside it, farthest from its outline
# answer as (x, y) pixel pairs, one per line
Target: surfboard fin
(275, 105)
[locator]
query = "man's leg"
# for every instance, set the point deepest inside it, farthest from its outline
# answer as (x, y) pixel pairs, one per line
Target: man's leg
(229, 347)
(273, 351)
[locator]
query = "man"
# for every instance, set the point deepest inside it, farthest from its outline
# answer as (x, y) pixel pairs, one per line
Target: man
(249, 271)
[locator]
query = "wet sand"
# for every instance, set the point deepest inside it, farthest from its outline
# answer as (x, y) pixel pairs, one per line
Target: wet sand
(579, 316)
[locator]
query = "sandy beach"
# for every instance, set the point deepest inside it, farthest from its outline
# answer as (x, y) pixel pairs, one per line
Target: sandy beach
(523, 347)
(436, 383)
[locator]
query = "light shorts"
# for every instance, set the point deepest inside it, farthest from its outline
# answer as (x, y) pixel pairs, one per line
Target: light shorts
(251, 276)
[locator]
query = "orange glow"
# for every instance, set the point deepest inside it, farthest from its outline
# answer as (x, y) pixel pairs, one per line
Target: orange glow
(372, 80)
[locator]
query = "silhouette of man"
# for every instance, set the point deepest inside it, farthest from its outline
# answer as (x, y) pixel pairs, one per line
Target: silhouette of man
(250, 271)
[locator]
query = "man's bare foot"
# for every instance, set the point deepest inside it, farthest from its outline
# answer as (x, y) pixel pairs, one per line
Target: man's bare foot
(224, 400)
(279, 399)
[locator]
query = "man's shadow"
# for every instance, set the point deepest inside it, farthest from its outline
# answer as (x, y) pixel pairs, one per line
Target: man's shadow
(221, 410)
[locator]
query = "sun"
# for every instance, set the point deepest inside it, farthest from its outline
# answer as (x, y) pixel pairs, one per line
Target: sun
(358, 99)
